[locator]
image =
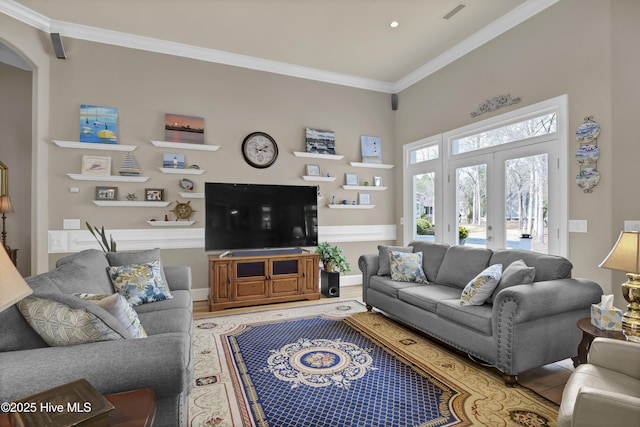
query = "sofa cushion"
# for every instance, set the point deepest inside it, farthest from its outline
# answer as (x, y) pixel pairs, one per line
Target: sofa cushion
(384, 263)
(385, 285)
(118, 306)
(516, 273)
(407, 267)
(60, 324)
(16, 332)
(428, 297)
(116, 259)
(461, 264)
(140, 283)
(166, 321)
(548, 267)
(181, 299)
(477, 317)
(432, 256)
(91, 262)
(480, 288)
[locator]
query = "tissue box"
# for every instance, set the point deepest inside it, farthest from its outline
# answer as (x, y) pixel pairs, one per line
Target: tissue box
(608, 319)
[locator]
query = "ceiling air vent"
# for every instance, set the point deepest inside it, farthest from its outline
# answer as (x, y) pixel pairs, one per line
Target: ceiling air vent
(455, 10)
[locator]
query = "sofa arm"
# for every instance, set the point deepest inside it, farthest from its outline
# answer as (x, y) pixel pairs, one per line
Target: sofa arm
(368, 265)
(616, 355)
(179, 277)
(598, 408)
(521, 303)
(159, 362)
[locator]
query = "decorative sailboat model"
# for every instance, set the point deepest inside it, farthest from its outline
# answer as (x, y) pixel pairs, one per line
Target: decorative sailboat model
(129, 166)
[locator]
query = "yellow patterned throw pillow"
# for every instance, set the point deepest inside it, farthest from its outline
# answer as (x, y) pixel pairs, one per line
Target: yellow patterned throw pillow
(60, 325)
(139, 283)
(407, 267)
(479, 289)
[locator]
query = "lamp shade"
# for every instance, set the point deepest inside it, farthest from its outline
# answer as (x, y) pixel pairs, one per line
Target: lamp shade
(12, 286)
(625, 255)
(5, 204)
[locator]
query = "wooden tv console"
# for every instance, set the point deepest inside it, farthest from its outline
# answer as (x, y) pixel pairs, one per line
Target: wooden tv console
(254, 280)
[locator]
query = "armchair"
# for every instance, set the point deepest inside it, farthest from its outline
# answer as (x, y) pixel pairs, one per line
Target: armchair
(605, 391)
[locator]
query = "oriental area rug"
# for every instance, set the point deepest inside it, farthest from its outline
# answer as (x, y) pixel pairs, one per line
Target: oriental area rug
(337, 365)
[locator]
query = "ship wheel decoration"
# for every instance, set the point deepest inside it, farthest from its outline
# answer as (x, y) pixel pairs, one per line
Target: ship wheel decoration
(183, 210)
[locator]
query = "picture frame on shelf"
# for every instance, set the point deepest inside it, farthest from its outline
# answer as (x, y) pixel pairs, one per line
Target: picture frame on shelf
(96, 165)
(320, 141)
(106, 193)
(364, 199)
(313, 170)
(377, 181)
(371, 149)
(173, 160)
(185, 129)
(98, 124)
(154, 194)
(351, 179)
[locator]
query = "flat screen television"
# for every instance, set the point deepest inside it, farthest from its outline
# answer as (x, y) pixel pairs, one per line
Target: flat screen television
(260, 216)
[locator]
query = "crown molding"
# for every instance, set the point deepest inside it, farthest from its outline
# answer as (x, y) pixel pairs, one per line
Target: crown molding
(513, 18)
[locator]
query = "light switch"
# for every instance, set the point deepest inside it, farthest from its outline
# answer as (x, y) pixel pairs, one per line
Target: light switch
(71, 224)
(577, 226)
(632, 226)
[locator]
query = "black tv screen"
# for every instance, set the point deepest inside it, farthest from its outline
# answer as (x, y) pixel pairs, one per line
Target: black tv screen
(256, 216)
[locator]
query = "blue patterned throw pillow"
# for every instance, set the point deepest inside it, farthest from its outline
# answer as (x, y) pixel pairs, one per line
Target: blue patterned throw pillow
(480, 288)
(139, 283)
(407, 267)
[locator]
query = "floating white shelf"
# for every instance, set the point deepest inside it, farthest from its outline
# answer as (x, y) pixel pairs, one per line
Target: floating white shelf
(186, 171)
(170, 223)
(363, 187)
(337, 206)
(318, 155)
(319, 178)
(191, 195)
(185, 146)
(112, 178)
(131, 203)
(371, 165)
(94, 146)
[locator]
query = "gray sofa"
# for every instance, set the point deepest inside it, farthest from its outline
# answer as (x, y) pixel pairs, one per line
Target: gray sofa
(519, 328)
(162, 361)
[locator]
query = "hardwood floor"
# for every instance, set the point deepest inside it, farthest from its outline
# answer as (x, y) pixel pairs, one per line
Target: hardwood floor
(548, 381)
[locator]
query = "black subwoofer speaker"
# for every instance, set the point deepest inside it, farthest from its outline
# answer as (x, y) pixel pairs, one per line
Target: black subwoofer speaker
(330, 284)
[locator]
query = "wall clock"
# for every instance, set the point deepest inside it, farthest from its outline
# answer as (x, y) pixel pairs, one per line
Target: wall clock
(183, 210)
(259, 150)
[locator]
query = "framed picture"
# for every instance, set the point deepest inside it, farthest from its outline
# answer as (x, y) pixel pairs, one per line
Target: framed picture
(351, 178)
(377, 181)
(4, 182)
(313, 170)
(173, 160)
(371, 149)
(98, 124)
(96, 165)
(106, 193)
(154, 194)
(364, 199)
(320, 141)
(180, 128)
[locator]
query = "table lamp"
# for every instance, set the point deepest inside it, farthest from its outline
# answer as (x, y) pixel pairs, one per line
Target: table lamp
(5, 207)
(12, 286)
(625, 256)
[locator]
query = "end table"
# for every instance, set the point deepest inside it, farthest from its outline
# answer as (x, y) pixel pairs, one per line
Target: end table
(589, 333)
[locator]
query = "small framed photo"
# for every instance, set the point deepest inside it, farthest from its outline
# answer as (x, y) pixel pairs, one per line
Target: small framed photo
(377, 181)
(96, 165)
(106, 193)
(364, 199)
(351, 178)
(154, 194)
(173, 160)
(313, 170)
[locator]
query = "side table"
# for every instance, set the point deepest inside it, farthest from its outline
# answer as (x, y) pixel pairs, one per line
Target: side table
(589, 333)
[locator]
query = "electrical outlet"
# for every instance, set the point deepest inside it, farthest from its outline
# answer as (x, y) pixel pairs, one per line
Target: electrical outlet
(577, 226)
(71, 224)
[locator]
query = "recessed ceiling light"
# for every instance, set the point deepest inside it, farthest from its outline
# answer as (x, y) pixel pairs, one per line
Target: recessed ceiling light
(394, 24)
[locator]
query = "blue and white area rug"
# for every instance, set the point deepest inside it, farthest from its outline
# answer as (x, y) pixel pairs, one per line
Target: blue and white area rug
(336, 365)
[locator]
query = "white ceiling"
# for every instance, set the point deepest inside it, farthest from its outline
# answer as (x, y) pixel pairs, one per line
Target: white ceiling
(340, 41)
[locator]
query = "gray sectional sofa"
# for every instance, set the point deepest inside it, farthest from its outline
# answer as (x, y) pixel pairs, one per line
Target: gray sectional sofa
(162, 361)
(519, 327)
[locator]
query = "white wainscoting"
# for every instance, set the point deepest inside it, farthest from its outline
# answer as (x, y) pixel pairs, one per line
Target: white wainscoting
(69, 241)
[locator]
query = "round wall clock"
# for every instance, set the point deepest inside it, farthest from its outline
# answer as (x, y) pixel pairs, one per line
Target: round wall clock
(259, 150)
(183, 210)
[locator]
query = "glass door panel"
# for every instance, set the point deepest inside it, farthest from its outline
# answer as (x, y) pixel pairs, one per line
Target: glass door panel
(424, 197)
(527, 203)
(471, 204)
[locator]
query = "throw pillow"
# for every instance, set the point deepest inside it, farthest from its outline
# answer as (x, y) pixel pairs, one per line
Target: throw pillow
(118, 306)
(116, 259)
(407, 267)
(384, 264)
(516, 273)
(479, 289)
(139, 283)
(60, 325)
